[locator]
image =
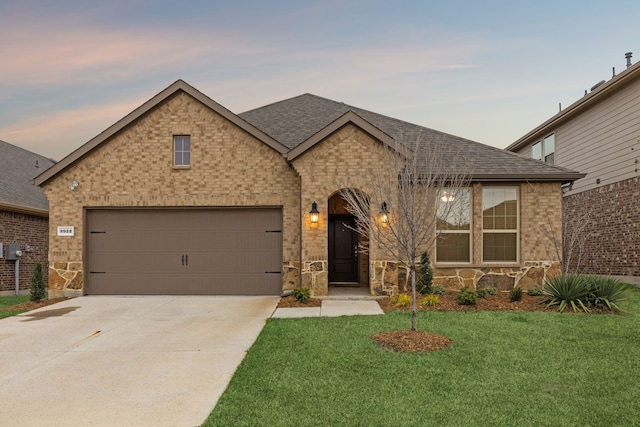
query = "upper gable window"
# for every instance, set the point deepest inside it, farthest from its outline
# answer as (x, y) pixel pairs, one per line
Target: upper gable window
(536, 150)
(545, 149)
(550, 149)
(182, 150)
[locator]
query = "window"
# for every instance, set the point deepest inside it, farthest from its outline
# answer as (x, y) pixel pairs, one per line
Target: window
(536, 150)
(545, 149)
(550, 149)
(500, 224)
(454, 225)
(182, 150)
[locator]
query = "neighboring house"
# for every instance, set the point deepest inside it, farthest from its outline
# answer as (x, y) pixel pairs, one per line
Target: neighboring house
(23, 216)
(183, 196)
(599, 135)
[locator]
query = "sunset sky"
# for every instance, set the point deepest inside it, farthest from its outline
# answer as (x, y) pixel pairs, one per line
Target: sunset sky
(488, 70)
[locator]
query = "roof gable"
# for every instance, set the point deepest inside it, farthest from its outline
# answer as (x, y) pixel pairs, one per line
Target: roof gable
(148, 106)
(347, 118)
(18, 167)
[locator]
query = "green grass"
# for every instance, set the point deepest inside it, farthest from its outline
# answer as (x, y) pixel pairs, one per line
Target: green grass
(8, 301)
(504, 369)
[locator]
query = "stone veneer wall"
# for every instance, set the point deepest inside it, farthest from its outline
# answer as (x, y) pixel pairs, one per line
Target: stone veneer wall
(135, 169)
(22, 229)
(391, 278)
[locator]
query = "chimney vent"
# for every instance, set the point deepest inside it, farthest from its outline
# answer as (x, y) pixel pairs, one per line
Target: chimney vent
(628, 56)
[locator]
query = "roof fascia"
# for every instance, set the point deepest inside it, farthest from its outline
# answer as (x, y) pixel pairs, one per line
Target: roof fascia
(348, 117)
(121, 124)
(24, 209)
(616, 83)
(550, 177)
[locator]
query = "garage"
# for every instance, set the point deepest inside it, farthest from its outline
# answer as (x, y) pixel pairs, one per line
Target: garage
(191, 251)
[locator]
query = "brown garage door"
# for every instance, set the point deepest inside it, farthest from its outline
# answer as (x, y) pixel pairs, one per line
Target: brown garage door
(184, 251)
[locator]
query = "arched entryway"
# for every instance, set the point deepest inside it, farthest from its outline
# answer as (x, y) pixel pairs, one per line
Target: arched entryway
(348, 262)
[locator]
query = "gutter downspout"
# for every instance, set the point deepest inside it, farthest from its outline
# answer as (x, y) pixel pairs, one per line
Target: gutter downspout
(300, 216)
(17, 275)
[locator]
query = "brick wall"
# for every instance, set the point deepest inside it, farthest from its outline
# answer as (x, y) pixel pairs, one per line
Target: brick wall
(22, 229)
(135, 169)
(613, 233)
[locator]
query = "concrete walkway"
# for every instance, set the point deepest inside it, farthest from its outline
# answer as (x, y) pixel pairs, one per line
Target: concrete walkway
(332, 308)
(124, 361)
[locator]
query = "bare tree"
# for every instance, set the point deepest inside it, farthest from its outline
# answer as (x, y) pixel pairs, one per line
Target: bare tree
(417, 187)
(569, 242)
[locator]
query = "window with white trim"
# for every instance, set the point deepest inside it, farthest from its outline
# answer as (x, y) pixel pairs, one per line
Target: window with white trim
(453, 226)
(500, 224)
(182, 150)
(545, 149)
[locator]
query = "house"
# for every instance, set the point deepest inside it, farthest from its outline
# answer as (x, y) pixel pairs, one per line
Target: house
(599, 135)
(182, 196)
(23, 216)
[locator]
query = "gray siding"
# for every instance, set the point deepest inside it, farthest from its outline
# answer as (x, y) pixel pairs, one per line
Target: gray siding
(603, 142)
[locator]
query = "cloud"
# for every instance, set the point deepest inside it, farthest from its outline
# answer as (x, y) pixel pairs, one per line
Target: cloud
(57, 134)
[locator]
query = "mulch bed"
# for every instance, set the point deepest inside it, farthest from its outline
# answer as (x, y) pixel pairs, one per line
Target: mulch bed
(411, 341)
(292, 302)
(31, 305)
(499, 302)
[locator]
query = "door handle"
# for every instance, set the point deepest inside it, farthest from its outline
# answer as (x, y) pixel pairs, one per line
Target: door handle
(186, 259)
(355, 252)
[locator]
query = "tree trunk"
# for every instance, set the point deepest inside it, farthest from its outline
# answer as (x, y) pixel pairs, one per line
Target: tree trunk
(414, 303)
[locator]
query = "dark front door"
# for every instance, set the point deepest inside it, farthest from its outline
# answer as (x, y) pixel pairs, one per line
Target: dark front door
(343, 249)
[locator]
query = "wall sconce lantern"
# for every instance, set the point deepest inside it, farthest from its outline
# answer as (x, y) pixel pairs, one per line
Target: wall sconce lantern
(314, 214)
(73, 185)
(384, 213)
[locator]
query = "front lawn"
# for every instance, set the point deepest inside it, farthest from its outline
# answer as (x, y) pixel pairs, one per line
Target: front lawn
(504, 369)
(10, 301)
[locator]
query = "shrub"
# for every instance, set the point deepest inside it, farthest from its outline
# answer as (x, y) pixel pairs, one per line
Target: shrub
(425, 280)
(481, 293)
(430, 301)
(569, 290)
(467, 297)
(437, 290)
(534, 292)
(491, 291)
(302, 295)
(38, 291)
(515, 294)
(401, 300)
(607, 292)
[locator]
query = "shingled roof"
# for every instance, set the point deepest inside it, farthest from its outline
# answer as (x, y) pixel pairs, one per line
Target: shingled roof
(296, 120)
(18, 167)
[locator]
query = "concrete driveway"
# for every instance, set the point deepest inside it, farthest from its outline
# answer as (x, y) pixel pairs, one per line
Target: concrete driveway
(127, 361)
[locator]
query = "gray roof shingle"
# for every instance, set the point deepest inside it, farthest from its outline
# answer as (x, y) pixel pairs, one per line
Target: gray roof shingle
(293, 121)
(18, 167)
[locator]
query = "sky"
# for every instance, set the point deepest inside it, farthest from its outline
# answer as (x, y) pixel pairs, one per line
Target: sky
(489, 71)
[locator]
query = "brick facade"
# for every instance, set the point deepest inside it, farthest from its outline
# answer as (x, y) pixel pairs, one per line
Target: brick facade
(613, 234)
(135, 169)
(22, 229)
(229, 167)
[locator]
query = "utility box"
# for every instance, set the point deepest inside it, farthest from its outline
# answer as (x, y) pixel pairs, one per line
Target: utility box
(13, 252)
(1, 252)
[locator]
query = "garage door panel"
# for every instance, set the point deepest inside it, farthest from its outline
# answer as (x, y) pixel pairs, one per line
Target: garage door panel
(186, 251)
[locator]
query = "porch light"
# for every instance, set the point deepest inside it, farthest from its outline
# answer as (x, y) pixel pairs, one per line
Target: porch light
(314, 214)
(384, 213)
